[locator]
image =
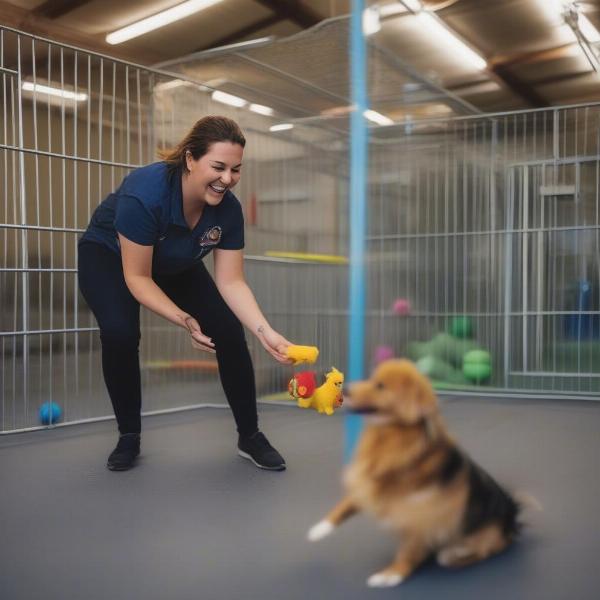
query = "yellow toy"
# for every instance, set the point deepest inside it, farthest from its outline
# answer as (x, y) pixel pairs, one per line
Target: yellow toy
(302, 354)
(323, 399)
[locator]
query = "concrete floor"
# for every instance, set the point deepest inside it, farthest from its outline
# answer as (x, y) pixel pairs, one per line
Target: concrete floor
(195, 521)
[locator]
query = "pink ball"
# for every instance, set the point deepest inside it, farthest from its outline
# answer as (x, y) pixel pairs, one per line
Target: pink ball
(401, 307)
(383, 353)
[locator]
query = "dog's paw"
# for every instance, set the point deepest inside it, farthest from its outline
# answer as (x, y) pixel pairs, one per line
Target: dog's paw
(384, 579)
(320, 530)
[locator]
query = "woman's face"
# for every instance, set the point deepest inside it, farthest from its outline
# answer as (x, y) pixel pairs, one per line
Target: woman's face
(214, 173)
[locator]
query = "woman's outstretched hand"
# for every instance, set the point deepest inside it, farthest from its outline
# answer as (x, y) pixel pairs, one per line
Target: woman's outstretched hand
(274, 343)
(199, 340)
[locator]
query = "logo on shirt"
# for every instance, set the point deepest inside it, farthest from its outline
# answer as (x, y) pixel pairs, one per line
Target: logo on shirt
(211, 237)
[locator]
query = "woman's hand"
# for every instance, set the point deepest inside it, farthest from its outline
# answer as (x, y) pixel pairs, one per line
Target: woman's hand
(199, 340)
(274, 343)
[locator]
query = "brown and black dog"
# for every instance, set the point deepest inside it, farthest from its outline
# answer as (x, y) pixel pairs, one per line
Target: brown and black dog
(411, 476)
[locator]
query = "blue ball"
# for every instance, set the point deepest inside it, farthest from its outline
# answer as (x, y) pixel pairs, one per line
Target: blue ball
(50, 413)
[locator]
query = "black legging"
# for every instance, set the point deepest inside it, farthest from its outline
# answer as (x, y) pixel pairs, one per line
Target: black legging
(103, 286)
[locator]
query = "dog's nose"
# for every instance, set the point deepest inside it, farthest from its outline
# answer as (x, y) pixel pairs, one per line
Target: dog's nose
(345, 391)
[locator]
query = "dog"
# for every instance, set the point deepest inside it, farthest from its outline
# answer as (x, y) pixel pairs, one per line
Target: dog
(412, 477)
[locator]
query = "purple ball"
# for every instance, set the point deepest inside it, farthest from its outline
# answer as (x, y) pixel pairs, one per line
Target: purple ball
(383, 353)
(401, 307)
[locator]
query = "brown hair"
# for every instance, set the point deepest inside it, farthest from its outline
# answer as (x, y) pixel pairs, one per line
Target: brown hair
(205, 132)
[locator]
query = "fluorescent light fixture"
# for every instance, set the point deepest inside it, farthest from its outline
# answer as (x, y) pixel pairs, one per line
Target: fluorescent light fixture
(370, 20)
(281, 127)
(337, 111)
(437, 30)
(52, 91)
(169, 85)
(261, 110)
(378, 118)
(230, 99)
(427, 21)
(177, 83)
(166, 17)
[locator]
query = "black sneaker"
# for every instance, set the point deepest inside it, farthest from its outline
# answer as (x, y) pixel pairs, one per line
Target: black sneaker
(257, 449)
(124, 455)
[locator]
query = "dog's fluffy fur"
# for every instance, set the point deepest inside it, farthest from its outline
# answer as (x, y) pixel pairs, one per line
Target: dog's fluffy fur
(409, 473)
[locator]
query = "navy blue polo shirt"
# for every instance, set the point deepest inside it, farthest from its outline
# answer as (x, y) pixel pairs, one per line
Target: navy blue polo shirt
(147, 209)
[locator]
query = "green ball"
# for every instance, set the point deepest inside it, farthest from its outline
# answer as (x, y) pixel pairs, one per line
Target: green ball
(461, 327)
(477, 365)
(477, 356)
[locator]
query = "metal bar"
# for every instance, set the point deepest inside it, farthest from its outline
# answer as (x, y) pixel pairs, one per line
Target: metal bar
(41, 228)
(152, 413)
(392, 237)
(577, 374)
(37, 191)
(507, 113)
(51, 221)
(508, 275)
(64, 238)
(24, 237)
(47, 331)
(75, 222)
(515, 394)
(525, 268)
(36, 270)
(3, 373)
(566, 160)
(70, 157)
(112, 125)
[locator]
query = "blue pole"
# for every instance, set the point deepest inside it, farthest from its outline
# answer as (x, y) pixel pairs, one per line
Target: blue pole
(358, 213)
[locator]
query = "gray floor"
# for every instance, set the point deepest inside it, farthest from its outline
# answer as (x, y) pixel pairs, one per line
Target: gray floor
(195, 521)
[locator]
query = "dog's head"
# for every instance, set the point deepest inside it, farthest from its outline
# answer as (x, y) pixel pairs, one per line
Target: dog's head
(335, 377)
(396, 390)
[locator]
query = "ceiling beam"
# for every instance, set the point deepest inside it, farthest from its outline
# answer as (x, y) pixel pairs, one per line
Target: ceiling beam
(561, 78)
(238, 35)
(500, 66)
(293, 10)
(518, 86)
(53, 9)
(501, 73)
(529, 58)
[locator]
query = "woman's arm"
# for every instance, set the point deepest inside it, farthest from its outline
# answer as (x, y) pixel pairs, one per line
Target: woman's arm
(229, 277)
(137, 269)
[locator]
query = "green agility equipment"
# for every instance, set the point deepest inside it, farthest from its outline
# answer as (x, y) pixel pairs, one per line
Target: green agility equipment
(444, 347)
(477, 365)
(439, 370)
(461, 327)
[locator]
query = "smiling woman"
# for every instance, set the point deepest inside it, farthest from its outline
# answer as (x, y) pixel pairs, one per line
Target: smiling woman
(144, 246)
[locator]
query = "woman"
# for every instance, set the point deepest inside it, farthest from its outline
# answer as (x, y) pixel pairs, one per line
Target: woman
(144, 245)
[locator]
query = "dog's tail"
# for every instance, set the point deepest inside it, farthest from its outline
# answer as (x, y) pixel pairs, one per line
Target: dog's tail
(527, 501)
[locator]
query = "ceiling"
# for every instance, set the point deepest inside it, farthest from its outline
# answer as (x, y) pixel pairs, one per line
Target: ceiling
(533, 57)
